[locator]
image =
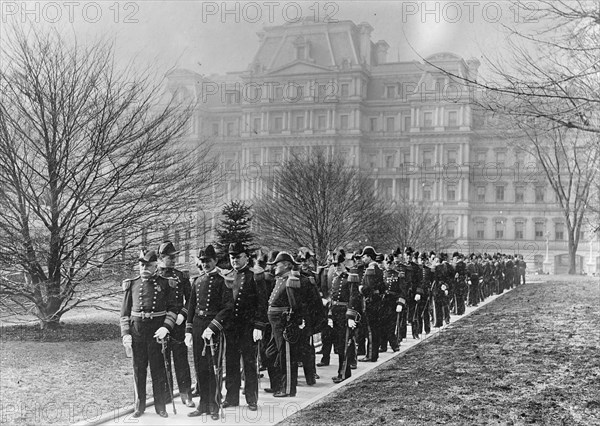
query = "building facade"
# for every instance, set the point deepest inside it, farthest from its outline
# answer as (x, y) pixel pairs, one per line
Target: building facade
(330, 86)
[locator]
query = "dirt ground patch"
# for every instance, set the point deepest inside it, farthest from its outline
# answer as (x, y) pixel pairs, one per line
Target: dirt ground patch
(531, 357)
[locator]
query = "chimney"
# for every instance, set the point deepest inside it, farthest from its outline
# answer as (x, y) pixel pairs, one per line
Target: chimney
(473, 65)
(381, 49)
(365, 30)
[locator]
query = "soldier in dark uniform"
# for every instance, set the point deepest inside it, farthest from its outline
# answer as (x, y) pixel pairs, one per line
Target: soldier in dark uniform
(394, 302)
(473, 280)
(246, 328)
(460, 283)
(148, 314)
(345, 309)
(362, 329)
(287, 315)
(416, 293)
(167, 257)
(427, 283)
(372, 288)
(521, 268)
(209, 310)
(401, 267)
(328, 336)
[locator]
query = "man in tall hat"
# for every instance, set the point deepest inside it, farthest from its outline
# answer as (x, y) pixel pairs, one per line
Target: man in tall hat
(403, 284)
(148, 314)
(246, 328)
(167, 256)
(210, 309)
(394, 302)
(317, 316)
(344, 312)
(460, 283)
(427, 283)
(288, 316)
(416, 292)
(372, 288)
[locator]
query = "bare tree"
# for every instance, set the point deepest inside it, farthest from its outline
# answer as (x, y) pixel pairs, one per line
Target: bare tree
(92, 158)
(319, 203)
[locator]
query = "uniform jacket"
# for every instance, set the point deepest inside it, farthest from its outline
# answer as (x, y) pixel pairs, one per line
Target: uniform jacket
(250, 303)
(183, 289)
(345, 292)
(210, 297)
(154, 296)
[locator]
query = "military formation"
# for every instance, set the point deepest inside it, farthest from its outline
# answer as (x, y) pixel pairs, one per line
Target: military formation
(262, 312)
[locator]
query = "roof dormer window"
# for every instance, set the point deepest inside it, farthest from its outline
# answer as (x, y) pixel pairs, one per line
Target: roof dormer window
(302, 49)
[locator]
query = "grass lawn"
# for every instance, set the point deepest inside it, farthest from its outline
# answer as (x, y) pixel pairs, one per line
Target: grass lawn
(531, 357)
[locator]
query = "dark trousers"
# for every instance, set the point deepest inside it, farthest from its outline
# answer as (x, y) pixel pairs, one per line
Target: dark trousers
(284, 372)
(474, 291)
(362, 331)
(340, 325)
(240, 343)
(373, 309)
(328, 337)
(308, 356)
(180, 359)
(389, 318)
(210, 400)
(147, 351)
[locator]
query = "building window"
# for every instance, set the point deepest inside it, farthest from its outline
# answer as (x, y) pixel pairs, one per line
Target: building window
(427, 119)
(230, 129)
(278, 93)
(321, 120)
(405, 157)
(300, 52)
(322, 91)
(344, 122)
(519, 230)
(345, 90)
(373, 124)
(539, 230)
(215, 129)
(500, 193)
(500, 158)
(373, 161)
(278, 124)
(499, 230)
(427, 193)
(390, 92)
(481, 157)
(451, 156)
(452, 119)
(539, 194)
(256, 125)
(389, 124)
(300, 122)
(559, 231)
(389, 161)
(427, 158)
(451, 193)
(519, 194)
(480, 230)
(231, 98)
(481, 193)
(407, 123)
(450, 229)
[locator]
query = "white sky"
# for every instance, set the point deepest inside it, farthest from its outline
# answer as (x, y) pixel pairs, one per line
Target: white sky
(177, 33)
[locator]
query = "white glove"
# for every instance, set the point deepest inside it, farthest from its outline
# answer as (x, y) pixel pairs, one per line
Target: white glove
(417, 297)
(360, 287)
(180, 319)
(208, 333)
(325, 301)
(127, 341)
(351, 323)
(444, 287)
(188, 340)
(161, 333)
(301, 326)
(257, 335)
(398, 308)
(446, 292)
(330, 322)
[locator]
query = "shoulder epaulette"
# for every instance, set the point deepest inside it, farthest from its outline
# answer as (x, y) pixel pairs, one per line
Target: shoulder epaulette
(127, 283)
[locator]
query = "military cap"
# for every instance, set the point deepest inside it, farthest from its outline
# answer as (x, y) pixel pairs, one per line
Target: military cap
(379, 257)
(272, 255)
(369, 251)
(456, 254)
(424, 256)
(167, 249)
(283, 257)
(147, 256)
(304, 253)
(408, 250)
(339, 258)
(397, 252)
(237, 248)
(207, 253)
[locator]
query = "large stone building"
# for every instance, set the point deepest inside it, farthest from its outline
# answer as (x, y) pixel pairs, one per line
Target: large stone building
(329, 85)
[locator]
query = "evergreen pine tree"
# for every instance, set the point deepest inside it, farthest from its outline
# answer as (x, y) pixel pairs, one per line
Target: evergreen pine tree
(235, 226)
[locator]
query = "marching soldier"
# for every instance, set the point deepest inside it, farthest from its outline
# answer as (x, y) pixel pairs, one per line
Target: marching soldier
(345, 307)
(167, 256)
(148, 314)
(247, 326)
(371, 288)
(209, 310)
(287, 316)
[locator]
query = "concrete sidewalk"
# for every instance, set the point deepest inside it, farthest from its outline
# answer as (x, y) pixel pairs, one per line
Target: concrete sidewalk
(272, 410)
